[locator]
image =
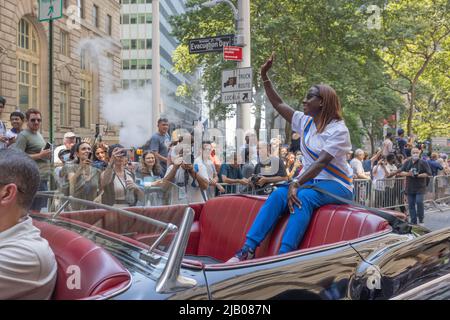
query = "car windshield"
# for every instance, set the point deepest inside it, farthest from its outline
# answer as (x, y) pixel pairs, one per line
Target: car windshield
(137, 222)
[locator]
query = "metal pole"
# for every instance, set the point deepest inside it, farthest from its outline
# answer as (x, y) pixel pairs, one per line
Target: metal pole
(50, 80)
(156, 68)
(243, 29)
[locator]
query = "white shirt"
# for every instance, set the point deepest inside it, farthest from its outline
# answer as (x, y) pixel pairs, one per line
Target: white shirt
(27, 264)
(210, 171)
(388, 147)
(2, 133)
(56, 159)
(357, 167)
(335, 140)
(380, 175)
(185, 194)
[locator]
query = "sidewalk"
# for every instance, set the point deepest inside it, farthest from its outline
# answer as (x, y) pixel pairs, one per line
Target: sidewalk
(436, 219)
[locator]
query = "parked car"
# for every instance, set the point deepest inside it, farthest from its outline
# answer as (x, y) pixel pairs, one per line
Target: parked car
(179, 252)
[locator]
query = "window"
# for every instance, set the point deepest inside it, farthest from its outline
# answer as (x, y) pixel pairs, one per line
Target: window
(85, 90)
(64, 110)
(108, 24)
(64, 43)
(95, 16)
(133, 18)
(86, 102)
(80, 5)
(28, 63)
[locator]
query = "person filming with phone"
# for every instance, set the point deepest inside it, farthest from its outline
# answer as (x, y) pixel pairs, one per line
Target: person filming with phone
(84, 179)
(32, 143)
(118, 183)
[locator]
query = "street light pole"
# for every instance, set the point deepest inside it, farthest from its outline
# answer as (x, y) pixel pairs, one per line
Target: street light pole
(243, 30)
(156, 68)
(242, 39)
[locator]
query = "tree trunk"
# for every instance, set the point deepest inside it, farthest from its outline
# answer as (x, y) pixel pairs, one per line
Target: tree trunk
(411, 108)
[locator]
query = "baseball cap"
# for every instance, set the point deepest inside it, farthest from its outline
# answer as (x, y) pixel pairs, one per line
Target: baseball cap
(69, 135)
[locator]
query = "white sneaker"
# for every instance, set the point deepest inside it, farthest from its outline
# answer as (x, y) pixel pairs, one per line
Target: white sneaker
(421, 224)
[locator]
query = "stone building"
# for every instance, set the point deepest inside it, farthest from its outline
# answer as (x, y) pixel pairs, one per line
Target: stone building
(87, 63)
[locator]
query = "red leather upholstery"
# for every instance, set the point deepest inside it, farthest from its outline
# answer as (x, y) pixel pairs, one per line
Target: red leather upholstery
(331, 224)
(100, 273)
(224, 222)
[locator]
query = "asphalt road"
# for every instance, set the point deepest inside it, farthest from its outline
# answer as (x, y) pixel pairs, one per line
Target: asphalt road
(436, 219)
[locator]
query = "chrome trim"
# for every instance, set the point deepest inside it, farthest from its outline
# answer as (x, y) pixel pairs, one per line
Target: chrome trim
(170, 279)
(113, 294)
(422, 287)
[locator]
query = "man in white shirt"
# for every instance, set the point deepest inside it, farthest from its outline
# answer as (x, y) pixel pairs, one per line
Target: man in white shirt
(27, 264)
(357, 166)
(191, 182)
(388, 146)
(68, 142)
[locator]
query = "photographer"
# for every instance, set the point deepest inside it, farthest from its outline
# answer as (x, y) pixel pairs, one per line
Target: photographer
(417, 172)
(192, 183)
(270, 169)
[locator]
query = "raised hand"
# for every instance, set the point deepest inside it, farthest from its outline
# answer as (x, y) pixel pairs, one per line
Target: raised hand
(266, 66)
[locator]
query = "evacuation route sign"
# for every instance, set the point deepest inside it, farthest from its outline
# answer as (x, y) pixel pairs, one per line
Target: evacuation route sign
(50, 9)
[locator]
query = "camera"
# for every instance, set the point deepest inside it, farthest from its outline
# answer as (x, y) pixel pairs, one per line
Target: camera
(414, 172)
(254, 178)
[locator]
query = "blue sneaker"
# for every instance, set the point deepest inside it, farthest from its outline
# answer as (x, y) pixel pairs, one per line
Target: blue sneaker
(246, 253)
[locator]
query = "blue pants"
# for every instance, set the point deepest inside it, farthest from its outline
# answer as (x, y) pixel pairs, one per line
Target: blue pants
(277, 204)
(413, 200)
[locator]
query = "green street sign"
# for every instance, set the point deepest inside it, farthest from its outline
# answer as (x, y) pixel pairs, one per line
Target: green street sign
(50, 10)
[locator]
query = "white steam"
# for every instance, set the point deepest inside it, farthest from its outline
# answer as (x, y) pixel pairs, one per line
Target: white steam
(129, 109)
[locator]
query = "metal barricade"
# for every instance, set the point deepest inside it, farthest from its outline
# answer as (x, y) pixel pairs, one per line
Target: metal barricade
(441, 185)
(362, 192)
(389, 193)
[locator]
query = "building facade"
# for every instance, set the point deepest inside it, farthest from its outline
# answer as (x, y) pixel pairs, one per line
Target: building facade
(136, 37)
(79, 81)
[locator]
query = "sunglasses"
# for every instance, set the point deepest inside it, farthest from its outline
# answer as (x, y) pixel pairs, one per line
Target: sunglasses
(18, 188)
(35, 120)
(312, 95)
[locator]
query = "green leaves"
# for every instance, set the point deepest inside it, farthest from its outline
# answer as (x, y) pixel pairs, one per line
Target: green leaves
(373, 70)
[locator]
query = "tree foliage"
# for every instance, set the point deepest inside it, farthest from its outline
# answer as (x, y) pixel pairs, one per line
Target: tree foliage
(330, 41)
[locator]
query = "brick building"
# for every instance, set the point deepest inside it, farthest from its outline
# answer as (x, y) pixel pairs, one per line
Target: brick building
(87, 63)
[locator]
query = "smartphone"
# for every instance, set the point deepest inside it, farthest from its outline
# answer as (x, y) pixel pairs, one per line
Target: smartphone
(48, 145)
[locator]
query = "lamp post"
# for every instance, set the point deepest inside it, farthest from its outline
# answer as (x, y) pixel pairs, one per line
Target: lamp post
(242, 39)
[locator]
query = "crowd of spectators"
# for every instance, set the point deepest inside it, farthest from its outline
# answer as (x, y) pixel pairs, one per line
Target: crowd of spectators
(113, 175)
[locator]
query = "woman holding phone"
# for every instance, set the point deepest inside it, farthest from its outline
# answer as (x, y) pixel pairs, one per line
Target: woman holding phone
(84, 179)
(118, 183)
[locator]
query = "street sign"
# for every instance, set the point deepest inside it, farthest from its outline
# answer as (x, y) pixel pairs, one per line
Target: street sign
(211, 44)
(231, 53)
(50, 9)
(237, 97)
(237, 85)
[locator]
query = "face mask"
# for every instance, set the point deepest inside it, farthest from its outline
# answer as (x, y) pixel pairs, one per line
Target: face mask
(415, 157)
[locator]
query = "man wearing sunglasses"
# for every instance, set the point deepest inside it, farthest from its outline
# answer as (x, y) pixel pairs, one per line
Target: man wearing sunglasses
(27, 264)
(32, 143)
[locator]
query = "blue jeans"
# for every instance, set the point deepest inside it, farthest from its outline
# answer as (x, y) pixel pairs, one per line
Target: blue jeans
(416, 199)
(277, 204)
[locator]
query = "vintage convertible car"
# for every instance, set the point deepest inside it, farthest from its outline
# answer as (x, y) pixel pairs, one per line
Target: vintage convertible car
(179, 252)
